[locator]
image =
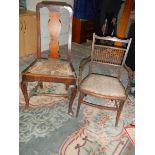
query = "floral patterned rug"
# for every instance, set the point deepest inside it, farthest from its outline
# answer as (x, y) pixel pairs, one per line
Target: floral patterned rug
(97, 134)
(47, 128)
(43, 100)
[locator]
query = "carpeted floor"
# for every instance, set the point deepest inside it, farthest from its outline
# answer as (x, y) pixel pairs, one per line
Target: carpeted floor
(47, 129)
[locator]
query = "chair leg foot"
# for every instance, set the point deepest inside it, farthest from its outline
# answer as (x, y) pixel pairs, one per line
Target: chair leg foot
(121, 104)
(81, 96)
(73, 91)
(24, 90)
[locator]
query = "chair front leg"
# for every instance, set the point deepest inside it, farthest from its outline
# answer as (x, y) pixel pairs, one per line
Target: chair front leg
(121, 104)
(81, 96)
(73, 91)
(24, 90)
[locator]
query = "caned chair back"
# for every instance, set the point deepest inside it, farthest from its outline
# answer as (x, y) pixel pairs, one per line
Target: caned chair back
(109, 54)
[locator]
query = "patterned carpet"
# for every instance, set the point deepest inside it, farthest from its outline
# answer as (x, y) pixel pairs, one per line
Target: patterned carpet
(47, 129)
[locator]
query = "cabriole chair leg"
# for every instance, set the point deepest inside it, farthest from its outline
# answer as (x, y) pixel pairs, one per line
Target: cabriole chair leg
(24, 90)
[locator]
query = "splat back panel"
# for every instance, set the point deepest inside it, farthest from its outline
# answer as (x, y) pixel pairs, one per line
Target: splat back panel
(53, 27)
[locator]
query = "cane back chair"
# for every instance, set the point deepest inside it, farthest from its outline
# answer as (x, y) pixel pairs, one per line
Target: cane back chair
(54, 68)
(100, 85)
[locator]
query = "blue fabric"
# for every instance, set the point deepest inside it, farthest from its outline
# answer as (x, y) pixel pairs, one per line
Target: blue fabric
(85, 9)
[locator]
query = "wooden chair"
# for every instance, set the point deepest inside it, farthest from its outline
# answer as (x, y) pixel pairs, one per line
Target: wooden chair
(100, 85)
(53, 68)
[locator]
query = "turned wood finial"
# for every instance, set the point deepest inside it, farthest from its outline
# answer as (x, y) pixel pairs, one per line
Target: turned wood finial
(54, 27)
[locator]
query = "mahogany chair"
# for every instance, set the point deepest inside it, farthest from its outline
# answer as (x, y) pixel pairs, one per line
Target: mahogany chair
(54, 68)
(100, 85)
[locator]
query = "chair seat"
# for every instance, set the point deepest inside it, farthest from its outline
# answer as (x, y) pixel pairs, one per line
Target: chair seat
(103, 85)
(54, 67)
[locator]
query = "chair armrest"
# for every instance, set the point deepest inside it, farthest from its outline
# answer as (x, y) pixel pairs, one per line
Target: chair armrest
(130, 77)
(83, 62)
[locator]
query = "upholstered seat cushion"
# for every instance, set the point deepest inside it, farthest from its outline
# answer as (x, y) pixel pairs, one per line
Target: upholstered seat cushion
(54, 67)
(103, 85)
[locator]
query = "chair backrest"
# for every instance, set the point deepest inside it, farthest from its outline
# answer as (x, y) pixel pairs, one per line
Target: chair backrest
(54, 27)
(106, 52)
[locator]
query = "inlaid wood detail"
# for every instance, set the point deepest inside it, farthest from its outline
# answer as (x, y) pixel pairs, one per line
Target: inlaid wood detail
(54, 27)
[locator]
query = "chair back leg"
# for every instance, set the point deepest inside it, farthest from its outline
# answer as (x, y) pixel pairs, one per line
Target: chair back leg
(81, 96)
